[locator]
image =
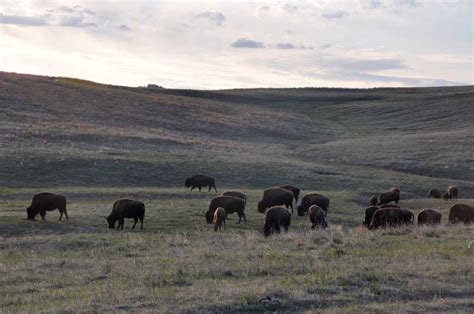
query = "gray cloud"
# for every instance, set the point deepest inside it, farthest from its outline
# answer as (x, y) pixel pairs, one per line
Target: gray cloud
(326, 46)
(284, 46)
(124, 28)
(247, 43)
(372, 4)
(365, 65)
(290, 8)
(334, 15)
(215, 17)
(409, 3)
(23, 20)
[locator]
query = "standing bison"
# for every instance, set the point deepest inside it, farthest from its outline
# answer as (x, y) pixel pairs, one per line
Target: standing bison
(317, 217)
(230, 204)
(452, 193)
(275, 218)
(274, 197)
(461, 213)
(313, 199)
(236, 194)
(390, 196)
(391, 217)
(126, 208)
(429, 217)
(296, 191)
(435, 193)
(43, 202)
(200, 180)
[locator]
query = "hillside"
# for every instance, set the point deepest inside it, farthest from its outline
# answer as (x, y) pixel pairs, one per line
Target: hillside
(68, 132)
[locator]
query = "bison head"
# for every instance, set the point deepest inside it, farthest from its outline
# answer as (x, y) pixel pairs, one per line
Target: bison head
(111, 221)
(301, 211)
(31, 213)
(209, 217)
(261, 207)
(187, 182)
(374, 200)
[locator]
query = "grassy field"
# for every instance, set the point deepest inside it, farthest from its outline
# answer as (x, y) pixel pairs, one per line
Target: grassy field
(96, 143)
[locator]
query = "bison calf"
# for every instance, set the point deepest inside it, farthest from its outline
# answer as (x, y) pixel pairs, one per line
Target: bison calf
(317, 217)
(461, 213)
(429, 217)
(126, 208)
(275, 218)
(43, 202)
(219, 218)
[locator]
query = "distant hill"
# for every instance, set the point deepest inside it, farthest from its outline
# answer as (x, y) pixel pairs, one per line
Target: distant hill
(69, 132)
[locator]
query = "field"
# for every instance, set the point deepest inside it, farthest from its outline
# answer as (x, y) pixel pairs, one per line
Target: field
(96, 143)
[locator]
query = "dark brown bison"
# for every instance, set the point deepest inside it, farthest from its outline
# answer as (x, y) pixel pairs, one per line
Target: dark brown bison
(230, 204)
(452, 193)
(313, 199)
(200, 180)
(126, 208)
(391, 217)
(461, 213)
(390, 196)
(45, 202)
(429, 217)
(369, 213)
(435, 193)
(275, 218)
(373, 200)
(236, 194)
(219, 218)
(274, 197)
(395, 189)
(293, 189)
(390, 205)
(317, 217)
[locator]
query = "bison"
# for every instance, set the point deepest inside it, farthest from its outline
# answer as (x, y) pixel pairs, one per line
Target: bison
(373, 200)
(43, 202)
(275, 218)
(369, 213)
(126, 208)
(317, 217)
(275, 196)
(219, 218)
(313, 199)
(395, 189)
(435, 193)
(390, 205)
(452, 193)
(429, 217)
(390, 196)
(236, 194)
(296, 191)
(200, 180)
(391, 217)
(461, 213)
(230, 204)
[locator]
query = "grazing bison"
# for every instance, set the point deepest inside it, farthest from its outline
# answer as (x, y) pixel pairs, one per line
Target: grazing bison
(387, 197)
(200, 180)
(429, 217)
(43, 202)
(435, 193)
(461, 213)
(275, 196)
(373, 200)
(293, 189)
(219, 218)
(236, 194)
(391, 217)
(230, 204)
(395, 189)
(317, 217)
(369, 213)
(452, 192)
(275, 218)
(126, 208)
(313, 199)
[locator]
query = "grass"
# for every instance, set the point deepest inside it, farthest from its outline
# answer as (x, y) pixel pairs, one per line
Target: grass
(96, 143)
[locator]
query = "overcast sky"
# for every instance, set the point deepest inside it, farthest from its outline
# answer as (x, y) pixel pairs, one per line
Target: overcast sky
(227, 44)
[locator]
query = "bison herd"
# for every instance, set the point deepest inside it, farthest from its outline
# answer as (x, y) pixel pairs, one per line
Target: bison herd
(275, 204)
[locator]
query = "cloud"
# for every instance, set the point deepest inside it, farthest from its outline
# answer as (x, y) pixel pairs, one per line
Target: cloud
(247, 43)
(23, 20)
(334, 15)
(326, 46)
(393, 4)
(215, 17)
(364, 65)
(290, 8)
(409, 3)
(285, 46)
(124, 28)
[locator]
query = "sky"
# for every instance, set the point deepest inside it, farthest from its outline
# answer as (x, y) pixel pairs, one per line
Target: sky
(242, 44)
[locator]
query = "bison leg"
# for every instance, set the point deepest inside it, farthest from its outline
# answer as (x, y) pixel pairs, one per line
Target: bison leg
(135, 223)
(214, 188)
(215, 228)
(276, 227)
(199, 188)
(43, 214)
(141, 223)
(193, 187)
(225, 228)
(65, 213)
